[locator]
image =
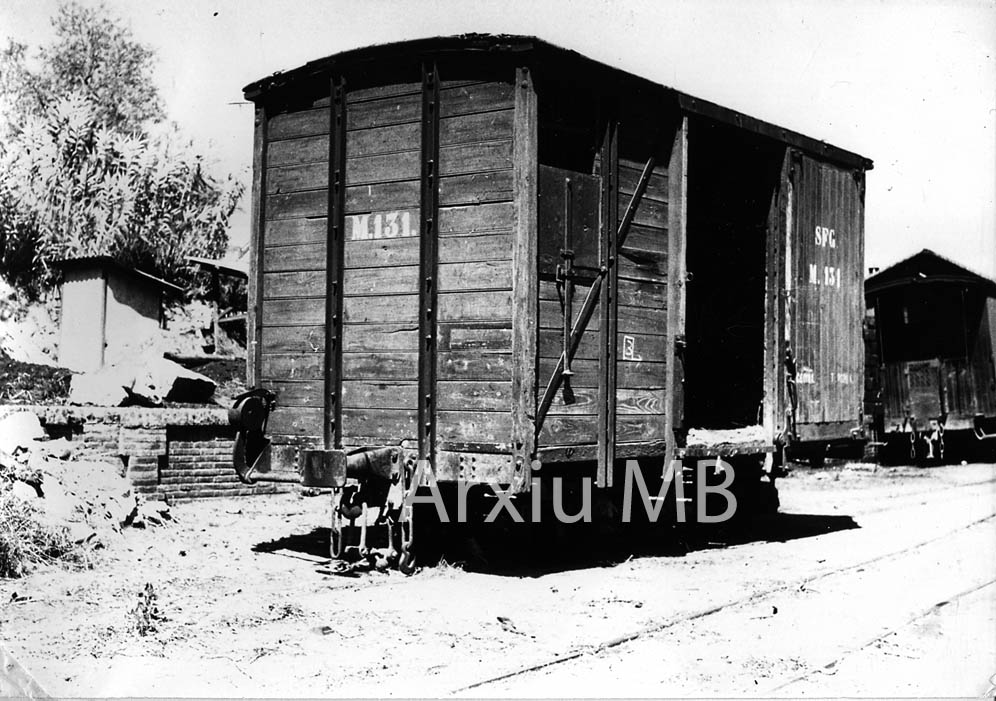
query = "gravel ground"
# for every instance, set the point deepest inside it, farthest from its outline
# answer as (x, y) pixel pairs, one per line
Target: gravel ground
(840, 594)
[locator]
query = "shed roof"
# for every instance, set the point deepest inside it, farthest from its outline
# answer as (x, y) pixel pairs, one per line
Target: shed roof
(483, 44)
(231, 267)
(927, 267)
(109, 263)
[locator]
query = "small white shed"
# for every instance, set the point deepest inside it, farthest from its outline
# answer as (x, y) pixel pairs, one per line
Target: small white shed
(107, 308)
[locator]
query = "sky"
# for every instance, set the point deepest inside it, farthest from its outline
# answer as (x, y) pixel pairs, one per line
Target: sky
(911, 84)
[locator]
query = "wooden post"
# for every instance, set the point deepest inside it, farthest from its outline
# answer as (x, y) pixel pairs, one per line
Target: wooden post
(676, 274)
(215, 299)
(774, 269)
(104, 282)
(525, 295)
(609, 222)
(254, 290)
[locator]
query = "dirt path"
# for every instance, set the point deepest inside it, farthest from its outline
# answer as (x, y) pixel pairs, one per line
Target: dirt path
(854, 567)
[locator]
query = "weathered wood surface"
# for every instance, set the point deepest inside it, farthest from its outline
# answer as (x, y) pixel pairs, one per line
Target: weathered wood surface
(630, 375)
(367, 111)
(628, 401)
(296, 421)
(301, 283)
(644, 347)
(480, 336)
(581, 430)
(389, 425)
(524, 271)
(359, 394)
(380, 365)
(629, 176)
(829, 300)
(305, 393)
(474, 396)
(475, 467)
(476, 219)
(677, 222)
(308, 311)
(378, 309)
(292, 367)
(474, 426)
(293, 339)
(388, 337)
(643, 255)
(475, 306)
(393, 252)
(475, 275)
(380, 275)
(474, 365)
(461, 159)
(297, 231)
(257, 241)
(453, 131)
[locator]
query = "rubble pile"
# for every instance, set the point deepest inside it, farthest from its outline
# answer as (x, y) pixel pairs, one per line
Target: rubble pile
(56, 506)
(149, 382)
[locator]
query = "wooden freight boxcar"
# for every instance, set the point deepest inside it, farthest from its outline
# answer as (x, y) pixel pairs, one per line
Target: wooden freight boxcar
(932, 389)
(491, 254)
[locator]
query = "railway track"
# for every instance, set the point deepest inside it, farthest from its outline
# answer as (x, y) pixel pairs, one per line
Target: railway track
(900, 501)
(755, 597)
(923, 613)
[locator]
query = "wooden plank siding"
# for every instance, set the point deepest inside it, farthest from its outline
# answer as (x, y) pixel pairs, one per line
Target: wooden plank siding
(641, 328)
(641, 320)
(381, 257)
(829, 304)
(380, 288)
(292, 313)
(476, 219)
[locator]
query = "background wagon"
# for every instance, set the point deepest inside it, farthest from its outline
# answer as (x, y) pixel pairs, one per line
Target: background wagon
(932, 384)
(491, 255)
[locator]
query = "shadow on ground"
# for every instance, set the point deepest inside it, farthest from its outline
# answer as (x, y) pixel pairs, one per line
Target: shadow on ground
(315, 543)
(533, 550)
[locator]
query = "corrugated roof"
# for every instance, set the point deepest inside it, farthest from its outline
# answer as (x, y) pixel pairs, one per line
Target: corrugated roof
(109, 262)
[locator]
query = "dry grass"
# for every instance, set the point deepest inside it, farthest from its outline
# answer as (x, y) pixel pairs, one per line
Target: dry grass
(29, 383)
(26, 541)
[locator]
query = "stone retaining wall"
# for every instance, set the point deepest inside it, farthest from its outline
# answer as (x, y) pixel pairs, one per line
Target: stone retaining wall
(175, 453)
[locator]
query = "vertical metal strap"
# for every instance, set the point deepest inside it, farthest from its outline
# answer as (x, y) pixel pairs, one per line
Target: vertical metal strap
(607, 304)
(334, 264)
(428, 260)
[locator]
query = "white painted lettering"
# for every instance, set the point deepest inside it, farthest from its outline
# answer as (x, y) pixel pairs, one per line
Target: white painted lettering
(386, 225)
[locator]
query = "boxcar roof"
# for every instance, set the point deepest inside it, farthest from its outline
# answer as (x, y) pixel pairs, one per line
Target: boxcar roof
(923, 268)
(492, 44)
